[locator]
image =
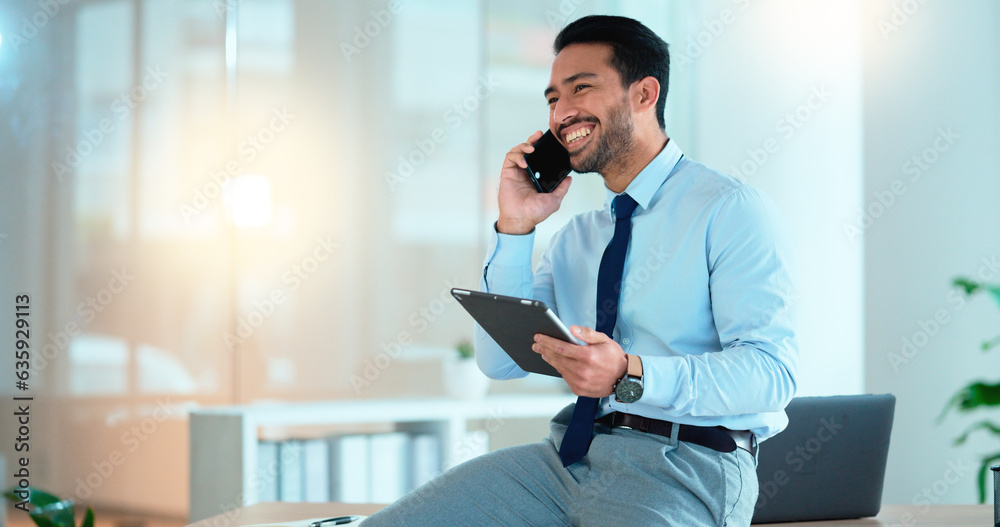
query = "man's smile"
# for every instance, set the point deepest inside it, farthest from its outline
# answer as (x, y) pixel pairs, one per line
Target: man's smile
(576, 136)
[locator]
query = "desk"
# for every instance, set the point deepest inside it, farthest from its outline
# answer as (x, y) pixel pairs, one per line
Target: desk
(891, 515)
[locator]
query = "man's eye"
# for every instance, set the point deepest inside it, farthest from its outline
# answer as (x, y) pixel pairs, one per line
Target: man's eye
(582, 86)
(553, 100)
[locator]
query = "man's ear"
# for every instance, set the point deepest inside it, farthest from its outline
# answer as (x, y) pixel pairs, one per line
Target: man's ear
(645, 93)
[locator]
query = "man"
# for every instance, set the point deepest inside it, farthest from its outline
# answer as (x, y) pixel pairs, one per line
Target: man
(678, 288)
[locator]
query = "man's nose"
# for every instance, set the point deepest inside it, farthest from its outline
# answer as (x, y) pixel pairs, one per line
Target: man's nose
(563, 112)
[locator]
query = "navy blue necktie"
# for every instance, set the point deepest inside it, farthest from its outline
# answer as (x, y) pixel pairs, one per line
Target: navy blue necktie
(580, 430)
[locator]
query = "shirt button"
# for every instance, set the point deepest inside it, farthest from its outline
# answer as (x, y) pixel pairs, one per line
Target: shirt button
(626, 340)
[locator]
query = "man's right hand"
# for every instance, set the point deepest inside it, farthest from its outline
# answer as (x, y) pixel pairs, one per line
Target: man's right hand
(521, 206)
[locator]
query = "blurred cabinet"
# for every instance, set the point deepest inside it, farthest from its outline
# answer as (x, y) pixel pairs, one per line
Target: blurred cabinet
(225, 441)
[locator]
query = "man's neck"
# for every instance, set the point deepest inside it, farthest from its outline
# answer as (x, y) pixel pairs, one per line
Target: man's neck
(618, 176)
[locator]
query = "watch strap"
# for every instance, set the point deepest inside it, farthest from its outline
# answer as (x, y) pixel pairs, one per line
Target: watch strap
(634, 366)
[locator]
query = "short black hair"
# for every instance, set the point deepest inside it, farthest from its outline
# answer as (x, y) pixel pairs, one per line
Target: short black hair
(637, 52)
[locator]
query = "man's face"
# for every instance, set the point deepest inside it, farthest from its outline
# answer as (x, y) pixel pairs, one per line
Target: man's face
(588, 107)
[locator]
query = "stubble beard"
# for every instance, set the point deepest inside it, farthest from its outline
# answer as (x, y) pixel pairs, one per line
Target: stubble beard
(614, 145)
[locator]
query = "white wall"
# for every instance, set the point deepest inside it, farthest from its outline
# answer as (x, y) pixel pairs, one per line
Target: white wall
(904, 76)
(939, 71)
(754, 69)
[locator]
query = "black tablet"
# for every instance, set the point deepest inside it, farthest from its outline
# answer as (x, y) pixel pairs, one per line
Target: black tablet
(513, 323)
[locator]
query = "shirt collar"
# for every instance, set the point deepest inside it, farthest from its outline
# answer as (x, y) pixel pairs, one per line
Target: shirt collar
(649, 180)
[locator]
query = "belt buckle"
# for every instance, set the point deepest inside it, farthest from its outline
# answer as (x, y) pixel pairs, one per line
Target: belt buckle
(616, 420)
(619, 417)
(744, 439)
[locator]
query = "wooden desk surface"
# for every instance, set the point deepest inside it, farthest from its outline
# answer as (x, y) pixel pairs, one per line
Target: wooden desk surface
(274, 512)
(913, 516)
(890, 516)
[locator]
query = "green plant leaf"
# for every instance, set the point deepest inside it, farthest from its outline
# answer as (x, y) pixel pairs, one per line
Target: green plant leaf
(60, 514)
(995, 293)
(947, 407)
(88, 519)
(37, 498)
(984, 470)
(969, 286)
(42, 521)
(982, 425)
(991, 343)
(465, 349)
(973, 396)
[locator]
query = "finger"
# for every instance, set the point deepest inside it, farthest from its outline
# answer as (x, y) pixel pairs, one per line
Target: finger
(518, 153)
(551, 358)
(559, 348)
(563, 187)
(515, 158)
(534, 137)
(588, 335)
(549, 342)
(545, 348)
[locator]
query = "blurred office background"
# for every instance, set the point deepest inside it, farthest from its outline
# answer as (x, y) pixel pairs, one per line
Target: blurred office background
(231, 201)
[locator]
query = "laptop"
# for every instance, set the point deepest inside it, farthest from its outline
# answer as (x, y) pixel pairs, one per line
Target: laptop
(829, 464)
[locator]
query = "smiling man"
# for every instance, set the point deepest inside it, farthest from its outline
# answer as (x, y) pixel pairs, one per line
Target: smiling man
(679, 289)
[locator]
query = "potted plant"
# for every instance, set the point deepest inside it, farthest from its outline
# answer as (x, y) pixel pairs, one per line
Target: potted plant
(462, 378)
(978, 394)
(48, 510)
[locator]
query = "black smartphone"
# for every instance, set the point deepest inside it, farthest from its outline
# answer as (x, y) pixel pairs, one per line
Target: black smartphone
(548, 164)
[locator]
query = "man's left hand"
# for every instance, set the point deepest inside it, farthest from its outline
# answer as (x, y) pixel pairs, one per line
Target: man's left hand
(590, 370)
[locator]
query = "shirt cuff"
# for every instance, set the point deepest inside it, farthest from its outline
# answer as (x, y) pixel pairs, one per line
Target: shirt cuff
(660, 379)
(510, 249)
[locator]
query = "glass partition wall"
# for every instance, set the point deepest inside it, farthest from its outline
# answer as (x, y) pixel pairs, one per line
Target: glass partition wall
(225, 202)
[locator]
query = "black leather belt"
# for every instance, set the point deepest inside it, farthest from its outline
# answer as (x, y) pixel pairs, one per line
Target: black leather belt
(715, 437)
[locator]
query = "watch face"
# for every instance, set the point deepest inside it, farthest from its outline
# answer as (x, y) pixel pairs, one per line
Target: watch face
(629, 391)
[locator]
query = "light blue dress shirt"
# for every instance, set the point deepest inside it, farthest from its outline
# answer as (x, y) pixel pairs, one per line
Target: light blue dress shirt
(707, 295)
